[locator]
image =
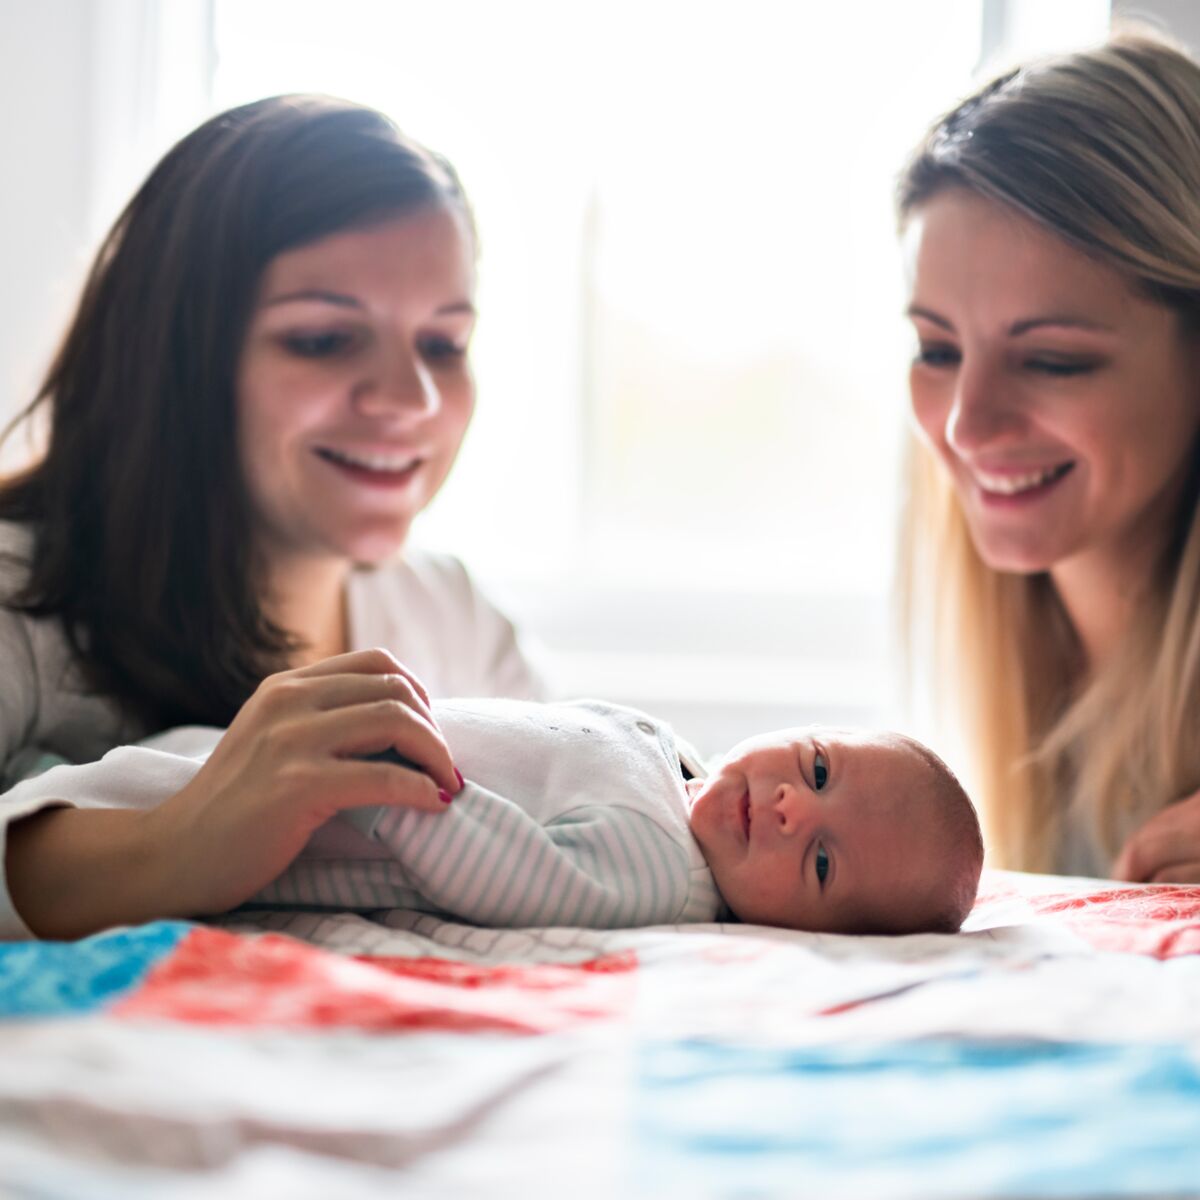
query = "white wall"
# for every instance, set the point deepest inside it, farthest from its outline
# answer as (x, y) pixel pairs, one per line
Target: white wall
(44, 200)
(91, 94)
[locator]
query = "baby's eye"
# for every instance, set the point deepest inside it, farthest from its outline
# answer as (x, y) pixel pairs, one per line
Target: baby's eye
(821, 860)
(820, 770)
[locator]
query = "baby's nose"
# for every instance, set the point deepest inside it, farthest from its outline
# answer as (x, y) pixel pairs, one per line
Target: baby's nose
(791, 810)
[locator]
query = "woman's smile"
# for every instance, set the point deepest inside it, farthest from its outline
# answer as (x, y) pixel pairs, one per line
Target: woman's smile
(1017, 483)
(374, 469)
(1024, 495)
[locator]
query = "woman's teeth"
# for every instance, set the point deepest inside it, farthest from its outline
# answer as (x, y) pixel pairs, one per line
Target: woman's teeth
(371, 462)
(1011, 485)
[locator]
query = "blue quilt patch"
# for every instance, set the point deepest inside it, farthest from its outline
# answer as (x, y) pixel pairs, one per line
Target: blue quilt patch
(934, 1119)
(48, 979)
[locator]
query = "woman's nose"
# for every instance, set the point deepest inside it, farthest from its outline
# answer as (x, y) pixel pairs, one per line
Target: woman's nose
(398, 384)
(983, 410)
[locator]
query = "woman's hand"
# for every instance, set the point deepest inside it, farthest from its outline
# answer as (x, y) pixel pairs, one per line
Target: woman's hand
(289, 762)
(1166, 849)
(285, 766)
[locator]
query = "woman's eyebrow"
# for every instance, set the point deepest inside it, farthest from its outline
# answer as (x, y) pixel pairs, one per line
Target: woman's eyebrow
(318, 294)
(1017, 328)
(1063, 320)
(343, 300)
(915, 310)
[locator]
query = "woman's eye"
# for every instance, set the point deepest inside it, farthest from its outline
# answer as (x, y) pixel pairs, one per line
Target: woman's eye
(821, 862)
(820, 771)
(937, 356)
(442, 350)
(1061, 367)
(328, 344)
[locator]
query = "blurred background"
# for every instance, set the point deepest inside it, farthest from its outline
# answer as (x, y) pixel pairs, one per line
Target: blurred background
(682, 479)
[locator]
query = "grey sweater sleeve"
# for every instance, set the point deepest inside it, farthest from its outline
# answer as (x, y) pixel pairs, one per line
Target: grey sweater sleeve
(19, 694)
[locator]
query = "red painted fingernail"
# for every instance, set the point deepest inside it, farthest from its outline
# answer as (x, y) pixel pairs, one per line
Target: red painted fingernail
(444, 796)
(462, 783)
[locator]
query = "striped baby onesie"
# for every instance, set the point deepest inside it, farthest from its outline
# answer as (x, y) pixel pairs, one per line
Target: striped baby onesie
(573, 814)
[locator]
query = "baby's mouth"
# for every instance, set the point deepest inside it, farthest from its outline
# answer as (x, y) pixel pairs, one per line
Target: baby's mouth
(744, 811)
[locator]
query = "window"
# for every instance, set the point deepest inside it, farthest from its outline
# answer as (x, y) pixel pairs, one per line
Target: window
(691, 363)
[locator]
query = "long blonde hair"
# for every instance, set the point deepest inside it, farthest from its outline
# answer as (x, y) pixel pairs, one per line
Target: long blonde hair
(1101, 148)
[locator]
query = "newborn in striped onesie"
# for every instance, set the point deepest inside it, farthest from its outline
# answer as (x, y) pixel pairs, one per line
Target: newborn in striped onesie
(594, 815)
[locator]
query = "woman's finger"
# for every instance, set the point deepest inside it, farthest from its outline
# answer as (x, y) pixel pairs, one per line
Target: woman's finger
(1127, 865)
(1182, 872)
(361, 784)
(1146, 852)
(1170, 837)
(363, 662)
(361, 729)
(339, 691)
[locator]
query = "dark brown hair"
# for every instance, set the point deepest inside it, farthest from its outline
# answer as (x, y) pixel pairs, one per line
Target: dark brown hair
(138, 511)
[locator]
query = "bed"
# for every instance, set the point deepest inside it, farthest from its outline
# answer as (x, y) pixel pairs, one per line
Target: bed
(1052, 1049)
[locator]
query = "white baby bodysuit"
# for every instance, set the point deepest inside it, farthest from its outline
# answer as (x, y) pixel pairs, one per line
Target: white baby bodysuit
(573, 814)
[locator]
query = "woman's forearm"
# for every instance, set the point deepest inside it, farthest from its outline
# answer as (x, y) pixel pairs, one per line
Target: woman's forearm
(195, 838)
(72, 872)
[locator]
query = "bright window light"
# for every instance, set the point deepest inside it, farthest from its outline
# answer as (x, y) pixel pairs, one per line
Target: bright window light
(683, 471)
(690, 355)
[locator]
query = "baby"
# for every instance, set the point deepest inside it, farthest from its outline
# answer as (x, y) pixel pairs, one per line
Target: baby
(593, 815)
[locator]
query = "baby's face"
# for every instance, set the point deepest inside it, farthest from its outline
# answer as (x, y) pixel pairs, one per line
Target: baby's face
(821, 829)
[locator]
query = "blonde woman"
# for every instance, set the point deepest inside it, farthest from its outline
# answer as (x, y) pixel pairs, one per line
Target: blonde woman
(1051, 234)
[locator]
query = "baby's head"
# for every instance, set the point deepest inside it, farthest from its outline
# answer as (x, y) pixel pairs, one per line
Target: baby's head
(839, 832)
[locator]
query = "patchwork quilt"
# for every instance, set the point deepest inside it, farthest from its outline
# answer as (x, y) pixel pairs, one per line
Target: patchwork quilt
(1052, 1049)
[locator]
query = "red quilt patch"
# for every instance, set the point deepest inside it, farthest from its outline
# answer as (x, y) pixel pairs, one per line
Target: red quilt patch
(218, 978)
(1162, 921)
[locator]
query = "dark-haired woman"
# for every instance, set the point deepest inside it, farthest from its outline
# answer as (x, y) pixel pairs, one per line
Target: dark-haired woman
(265, 381)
